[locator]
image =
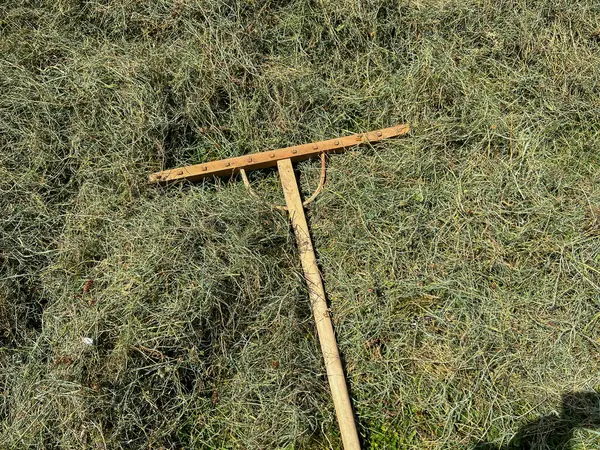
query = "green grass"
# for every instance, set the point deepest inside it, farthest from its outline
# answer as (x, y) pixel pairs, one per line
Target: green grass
(462, 263)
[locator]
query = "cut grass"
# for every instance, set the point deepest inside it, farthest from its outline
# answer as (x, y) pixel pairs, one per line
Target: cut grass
(461, 263)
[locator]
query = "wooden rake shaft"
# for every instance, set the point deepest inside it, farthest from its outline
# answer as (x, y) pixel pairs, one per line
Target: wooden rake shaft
(316, 292)
(283, 158)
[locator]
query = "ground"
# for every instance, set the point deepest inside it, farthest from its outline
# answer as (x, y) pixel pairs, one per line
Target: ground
(461, 262)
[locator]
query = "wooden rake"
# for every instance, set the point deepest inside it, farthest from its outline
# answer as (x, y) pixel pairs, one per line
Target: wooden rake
(284, 158)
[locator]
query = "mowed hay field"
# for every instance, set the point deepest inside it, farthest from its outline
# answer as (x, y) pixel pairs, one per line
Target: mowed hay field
(461, 262)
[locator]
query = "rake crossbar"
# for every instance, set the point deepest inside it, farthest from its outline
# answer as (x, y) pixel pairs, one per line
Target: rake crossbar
(283, 159)
(270, 158)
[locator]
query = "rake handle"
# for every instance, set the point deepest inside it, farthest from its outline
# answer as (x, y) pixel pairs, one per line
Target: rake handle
(329, 348)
